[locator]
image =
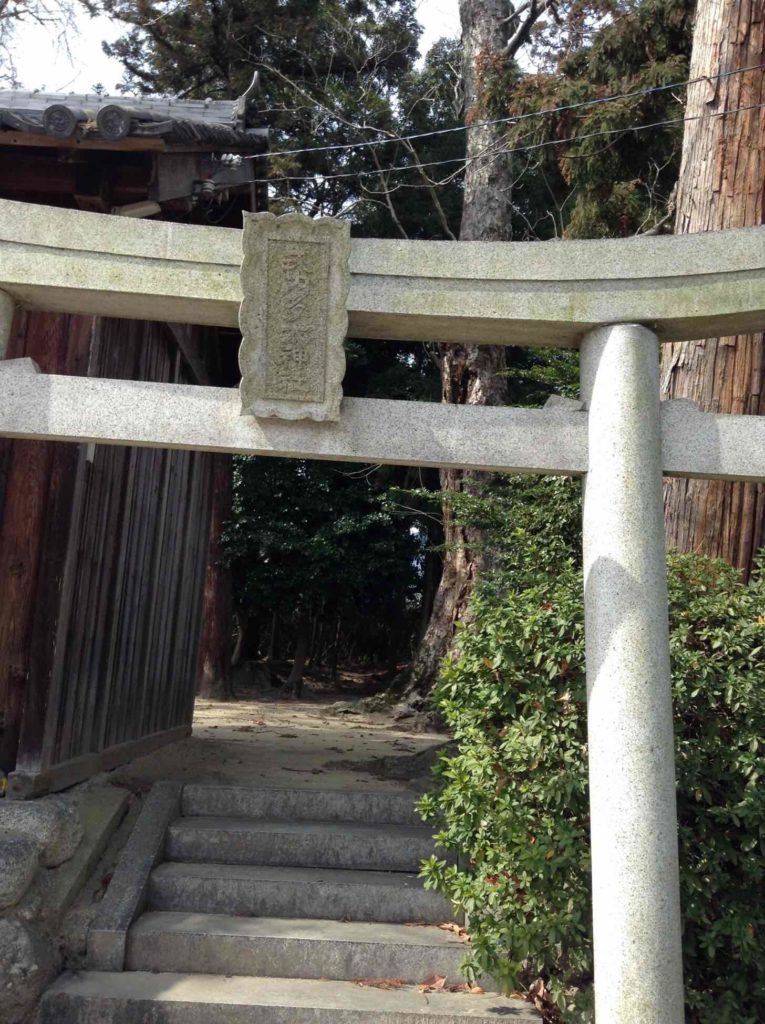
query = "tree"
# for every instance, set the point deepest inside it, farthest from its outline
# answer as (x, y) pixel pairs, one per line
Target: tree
(332, 74)
(588, 173)
(721, 186)
(587, 188)
(311, 545)
(215, 640)
(56, 14)
(492, 34)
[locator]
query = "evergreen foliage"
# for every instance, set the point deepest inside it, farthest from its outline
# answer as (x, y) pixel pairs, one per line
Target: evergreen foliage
(328, 540)
(609, 184)
(332, 72)
(513, 800)
(307, 538)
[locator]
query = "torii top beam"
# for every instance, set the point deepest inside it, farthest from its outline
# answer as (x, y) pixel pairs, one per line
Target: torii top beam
(515, 293)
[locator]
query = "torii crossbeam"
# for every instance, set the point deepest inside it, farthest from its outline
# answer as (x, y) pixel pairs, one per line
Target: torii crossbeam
(616, 301)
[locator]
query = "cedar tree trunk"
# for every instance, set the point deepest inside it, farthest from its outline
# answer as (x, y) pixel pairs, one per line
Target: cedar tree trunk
(722, 185)
(294, 683)
(215, 655)
(470, 374)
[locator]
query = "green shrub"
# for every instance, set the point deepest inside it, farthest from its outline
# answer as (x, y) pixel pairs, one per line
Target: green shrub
(513, 800)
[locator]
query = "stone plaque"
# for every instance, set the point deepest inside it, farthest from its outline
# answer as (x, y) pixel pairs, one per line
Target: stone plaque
(295, 281)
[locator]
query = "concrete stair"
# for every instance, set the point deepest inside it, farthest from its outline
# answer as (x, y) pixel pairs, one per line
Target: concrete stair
(300, 805)
(241, 889)
(311, 844)
(279, 948)
(138, 998)
(298, 907)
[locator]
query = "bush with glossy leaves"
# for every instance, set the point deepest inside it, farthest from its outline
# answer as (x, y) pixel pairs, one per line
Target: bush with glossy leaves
(513, 800)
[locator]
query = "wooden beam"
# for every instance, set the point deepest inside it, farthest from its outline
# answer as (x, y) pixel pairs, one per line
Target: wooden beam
(519, 293)
(132, 144)
(552, 440)
(25, 784)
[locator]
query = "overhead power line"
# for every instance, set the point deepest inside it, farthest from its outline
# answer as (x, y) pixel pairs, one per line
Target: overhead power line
(501, 152)
(511, 119)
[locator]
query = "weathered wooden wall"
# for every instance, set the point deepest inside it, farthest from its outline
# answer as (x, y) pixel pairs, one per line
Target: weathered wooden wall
(100, 654)
(35, 499)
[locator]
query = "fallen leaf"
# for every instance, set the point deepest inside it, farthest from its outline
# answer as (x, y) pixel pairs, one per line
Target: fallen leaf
(456, 929)
(384, 983)
(434, 984)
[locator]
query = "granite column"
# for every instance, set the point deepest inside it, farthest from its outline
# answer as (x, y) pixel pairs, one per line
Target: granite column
(635, 879)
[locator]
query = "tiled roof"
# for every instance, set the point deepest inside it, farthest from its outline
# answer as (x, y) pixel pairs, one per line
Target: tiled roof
(217, 124)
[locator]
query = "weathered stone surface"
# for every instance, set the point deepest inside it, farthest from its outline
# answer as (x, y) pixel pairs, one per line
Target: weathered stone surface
(519, 293)
(126, 895)
(275, 948)
(295, 282)
(109, 998)
(633, 820)
(23, 365)
(19, 859)
(370, 430)
(53, 822)
(56, 408)
(28, 962)
(101, 810)
(282, 804)
(346, 846)
(256, 891)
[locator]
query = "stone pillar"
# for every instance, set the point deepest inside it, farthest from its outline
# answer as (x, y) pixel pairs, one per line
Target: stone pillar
(635, 880)
(7, 307)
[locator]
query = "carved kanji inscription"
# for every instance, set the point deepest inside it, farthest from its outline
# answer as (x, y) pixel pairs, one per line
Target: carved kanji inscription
(293, 317)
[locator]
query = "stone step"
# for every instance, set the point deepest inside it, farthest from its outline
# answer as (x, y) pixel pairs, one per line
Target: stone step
(303, 948)
(243, 889)
(394, 808)
(299, 844)
(130, 998)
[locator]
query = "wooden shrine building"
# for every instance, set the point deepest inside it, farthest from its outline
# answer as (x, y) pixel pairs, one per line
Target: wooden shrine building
(108, 565)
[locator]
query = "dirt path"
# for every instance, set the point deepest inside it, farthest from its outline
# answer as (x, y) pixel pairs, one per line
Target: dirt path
(270, 741)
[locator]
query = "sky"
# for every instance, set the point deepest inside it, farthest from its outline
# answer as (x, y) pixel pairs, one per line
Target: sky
(43, 61)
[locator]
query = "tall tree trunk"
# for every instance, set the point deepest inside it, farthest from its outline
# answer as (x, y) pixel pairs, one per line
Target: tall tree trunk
(469, 374)
(294, 683)
(215, 655)
(722, 185)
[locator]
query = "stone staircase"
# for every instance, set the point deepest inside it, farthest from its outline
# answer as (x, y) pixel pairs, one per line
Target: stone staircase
(284, 907)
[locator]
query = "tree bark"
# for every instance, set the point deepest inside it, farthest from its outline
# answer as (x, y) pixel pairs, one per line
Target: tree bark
(294, 682)
(722, 185)
(470, 375)
(215, 655)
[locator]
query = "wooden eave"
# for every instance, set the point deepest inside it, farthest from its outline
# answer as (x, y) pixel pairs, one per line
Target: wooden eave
(131, 144)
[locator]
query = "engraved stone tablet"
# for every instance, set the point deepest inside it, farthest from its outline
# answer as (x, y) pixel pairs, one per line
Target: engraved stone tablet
(295, 281)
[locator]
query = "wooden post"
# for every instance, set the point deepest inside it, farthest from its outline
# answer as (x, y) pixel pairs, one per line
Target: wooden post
(7, 309)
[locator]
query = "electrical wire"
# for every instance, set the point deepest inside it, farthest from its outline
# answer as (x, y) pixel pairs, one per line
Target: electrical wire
(501, 152)
(513, 119)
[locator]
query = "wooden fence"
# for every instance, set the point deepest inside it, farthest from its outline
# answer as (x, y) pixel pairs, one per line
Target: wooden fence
(115, 605)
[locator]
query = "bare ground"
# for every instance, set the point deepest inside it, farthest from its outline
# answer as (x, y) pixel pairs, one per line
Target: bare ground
(267, 740)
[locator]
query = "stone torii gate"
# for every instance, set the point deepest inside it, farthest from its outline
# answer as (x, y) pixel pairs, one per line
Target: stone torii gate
(304, 284)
